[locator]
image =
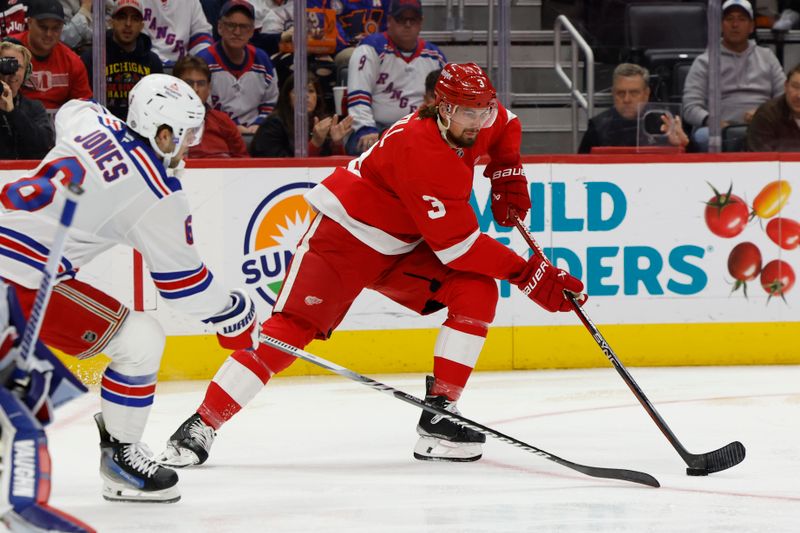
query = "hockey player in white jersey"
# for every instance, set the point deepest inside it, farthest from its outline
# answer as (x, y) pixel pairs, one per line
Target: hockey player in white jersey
(129, 199)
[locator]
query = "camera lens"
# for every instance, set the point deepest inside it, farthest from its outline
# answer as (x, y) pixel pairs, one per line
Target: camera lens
(8, 65)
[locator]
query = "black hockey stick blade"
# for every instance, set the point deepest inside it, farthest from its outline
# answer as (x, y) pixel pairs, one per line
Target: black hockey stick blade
(621, 474)
(608, 473)
(716, 461)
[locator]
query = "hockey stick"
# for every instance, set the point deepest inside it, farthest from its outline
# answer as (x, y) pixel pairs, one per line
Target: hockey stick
(34, 325)
(609, 473)
(699, 464)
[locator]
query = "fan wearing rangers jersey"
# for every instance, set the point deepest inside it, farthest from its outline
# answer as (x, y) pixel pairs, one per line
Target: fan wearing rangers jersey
(176, 27)
(398, 221)
(243, 82)
(386, 76)
(130, 199)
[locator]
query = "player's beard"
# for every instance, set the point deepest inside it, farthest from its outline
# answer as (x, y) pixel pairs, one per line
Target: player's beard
(461, 141)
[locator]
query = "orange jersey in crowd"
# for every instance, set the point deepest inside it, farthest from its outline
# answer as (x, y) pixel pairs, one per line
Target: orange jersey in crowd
(56, 79)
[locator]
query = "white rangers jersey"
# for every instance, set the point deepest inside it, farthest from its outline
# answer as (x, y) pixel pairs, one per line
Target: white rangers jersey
(384, 85)
(176, 27)
(246, 92)
(128, 199)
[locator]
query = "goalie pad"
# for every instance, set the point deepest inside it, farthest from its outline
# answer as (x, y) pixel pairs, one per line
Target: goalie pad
(47, 384)
(25, 478)
(236, 325)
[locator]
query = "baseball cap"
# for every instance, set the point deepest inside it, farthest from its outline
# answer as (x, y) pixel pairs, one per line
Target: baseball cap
(45, 9)
(244, 5)
(741, 4)
(122, 4)
(398, 6)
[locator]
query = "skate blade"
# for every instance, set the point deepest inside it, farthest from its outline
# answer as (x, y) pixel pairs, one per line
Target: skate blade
(115, 492)
(177, 457)
(433, 449)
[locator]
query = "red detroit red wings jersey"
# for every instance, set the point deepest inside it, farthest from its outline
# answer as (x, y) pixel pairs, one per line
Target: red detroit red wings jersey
(413, 186)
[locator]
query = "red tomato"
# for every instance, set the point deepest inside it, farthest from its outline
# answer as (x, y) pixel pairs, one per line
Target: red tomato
(726, 214)
(771, 199)
(784, 232)
(744, 264)
(777, 278)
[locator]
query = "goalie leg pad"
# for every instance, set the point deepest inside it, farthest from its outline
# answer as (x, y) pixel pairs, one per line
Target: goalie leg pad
(129, 382)
(25, 477)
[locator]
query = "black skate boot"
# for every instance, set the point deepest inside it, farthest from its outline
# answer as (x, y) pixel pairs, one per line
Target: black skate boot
(189, 445)
(129, 472)
(443, 440)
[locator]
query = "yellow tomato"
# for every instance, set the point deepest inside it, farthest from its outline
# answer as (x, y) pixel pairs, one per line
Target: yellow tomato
(771, 199)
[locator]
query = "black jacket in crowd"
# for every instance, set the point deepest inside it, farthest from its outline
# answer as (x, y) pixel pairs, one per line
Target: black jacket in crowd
(26, 132)
(124, 70)
(608, 128)
(272, 139)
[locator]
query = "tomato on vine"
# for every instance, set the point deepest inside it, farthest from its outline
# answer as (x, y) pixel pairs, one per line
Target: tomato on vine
(744, 264)
(726, 214)
(784, 232)
(771, 199)
(777, 278)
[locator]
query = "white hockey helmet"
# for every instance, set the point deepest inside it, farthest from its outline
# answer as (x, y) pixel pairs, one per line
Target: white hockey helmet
(164, 100)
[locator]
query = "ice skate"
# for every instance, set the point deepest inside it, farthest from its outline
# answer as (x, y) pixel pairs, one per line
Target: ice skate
(189, 445)
(443, 440)
(129, 472)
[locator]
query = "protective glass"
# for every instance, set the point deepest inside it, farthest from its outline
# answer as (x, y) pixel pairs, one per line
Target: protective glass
(193, 136)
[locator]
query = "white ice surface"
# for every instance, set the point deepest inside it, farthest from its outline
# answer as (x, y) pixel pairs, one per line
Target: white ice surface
(328, 454)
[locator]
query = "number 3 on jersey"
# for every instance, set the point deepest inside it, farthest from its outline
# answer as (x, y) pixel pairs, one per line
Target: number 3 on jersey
(438, 210)
(37, 191)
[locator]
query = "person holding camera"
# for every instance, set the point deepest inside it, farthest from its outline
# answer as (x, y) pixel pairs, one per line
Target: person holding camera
(25, 129)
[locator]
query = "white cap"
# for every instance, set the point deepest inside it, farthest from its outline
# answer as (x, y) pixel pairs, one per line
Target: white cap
(743, 4)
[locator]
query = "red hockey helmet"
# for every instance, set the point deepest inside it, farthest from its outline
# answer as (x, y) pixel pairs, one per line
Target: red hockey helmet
(466, 85)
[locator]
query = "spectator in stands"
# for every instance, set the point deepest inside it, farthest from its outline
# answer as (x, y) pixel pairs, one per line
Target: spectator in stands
(749, 75)
(13, 17)
(790, 15)
(77, 32)
(430, 84)
(618, 126)
(211, 9)
(25, 128)
(275, 137)
(244, 84)
(129, 57)
(776, 124)
(176, 27)
(386, 76)
(221, 138)
(58, 73)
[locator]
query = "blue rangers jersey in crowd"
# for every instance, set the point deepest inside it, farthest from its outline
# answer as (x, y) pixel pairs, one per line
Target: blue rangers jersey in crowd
(246, 92)
(385, 84)
(128, 199)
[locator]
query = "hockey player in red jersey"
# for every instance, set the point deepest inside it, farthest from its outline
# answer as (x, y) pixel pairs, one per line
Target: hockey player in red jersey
(398, 220)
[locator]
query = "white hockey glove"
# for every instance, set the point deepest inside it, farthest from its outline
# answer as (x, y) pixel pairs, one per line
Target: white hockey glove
(236, 325)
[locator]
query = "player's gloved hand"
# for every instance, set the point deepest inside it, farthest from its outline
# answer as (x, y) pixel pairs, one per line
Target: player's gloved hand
(236, 325)
(509, 194)
(545, 284)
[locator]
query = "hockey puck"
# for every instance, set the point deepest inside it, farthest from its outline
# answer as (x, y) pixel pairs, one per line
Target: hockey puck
(696, 472)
